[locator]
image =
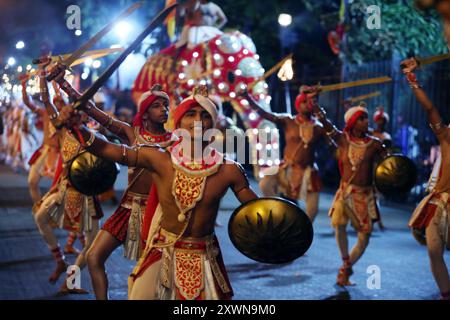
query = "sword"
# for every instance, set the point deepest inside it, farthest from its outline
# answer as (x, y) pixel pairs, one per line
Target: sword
(363, 97)
(433, 59)
(105, 76)
(344, 85)
(94, 54)
(77, 54)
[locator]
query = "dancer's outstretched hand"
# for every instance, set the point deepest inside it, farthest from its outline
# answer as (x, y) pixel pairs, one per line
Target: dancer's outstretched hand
(409, 65)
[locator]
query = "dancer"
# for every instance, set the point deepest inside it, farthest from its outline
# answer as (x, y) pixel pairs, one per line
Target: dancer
(432, 213)
(355, 199)
(44, 160)
(182, 258)
(381, 119)
(298, 173)
(124, 226)
(70, 209)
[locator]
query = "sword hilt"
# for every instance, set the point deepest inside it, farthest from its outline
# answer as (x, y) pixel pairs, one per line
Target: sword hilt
(56, 71)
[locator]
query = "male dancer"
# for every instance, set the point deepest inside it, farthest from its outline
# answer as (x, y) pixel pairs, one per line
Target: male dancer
(298, 174)
(355, 198)
(381, 119)
(45, 159)
(182, 258)
(432, 214)
(63, 204)
(124, 226)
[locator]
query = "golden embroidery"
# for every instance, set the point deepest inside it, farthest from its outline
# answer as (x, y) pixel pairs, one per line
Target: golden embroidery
(189, 182)
(70, 147)
(189, 273)
(188, 191)
(212, 252)
(73, 203)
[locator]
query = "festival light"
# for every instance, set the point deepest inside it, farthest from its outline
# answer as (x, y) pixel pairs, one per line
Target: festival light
(11, 61)
(122, 29)
(96, 64)
(20, 45)
(88, 62)
(284, 19)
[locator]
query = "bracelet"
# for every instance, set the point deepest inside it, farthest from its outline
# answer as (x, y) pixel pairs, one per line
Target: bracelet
(90, 141)
(436, 127)
(124, 153)
(109, 122)
(415, 85)
(332, 132)
(321, 114)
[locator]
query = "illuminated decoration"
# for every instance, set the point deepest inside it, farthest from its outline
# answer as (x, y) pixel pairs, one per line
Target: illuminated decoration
(230, 44)
(251, 68)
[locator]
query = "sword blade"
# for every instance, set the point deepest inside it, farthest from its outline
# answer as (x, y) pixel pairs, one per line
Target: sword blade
(105, 76)
(365, 96)
(344, 85)
(433, 59)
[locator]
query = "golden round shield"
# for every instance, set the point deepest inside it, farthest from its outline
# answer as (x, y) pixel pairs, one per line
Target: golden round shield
(270, 230)
(92, 175)
(396, 174)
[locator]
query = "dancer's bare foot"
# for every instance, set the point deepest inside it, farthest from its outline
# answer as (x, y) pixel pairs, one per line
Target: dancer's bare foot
(343, 277)
(61, 267)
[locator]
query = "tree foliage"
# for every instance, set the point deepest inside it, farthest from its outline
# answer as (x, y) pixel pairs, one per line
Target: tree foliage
(404, 30)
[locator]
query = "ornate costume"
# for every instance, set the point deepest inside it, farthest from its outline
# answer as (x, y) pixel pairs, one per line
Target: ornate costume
(185, 268)
(70, 209)
(125, 223)
(435, 208)
(355, 203)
